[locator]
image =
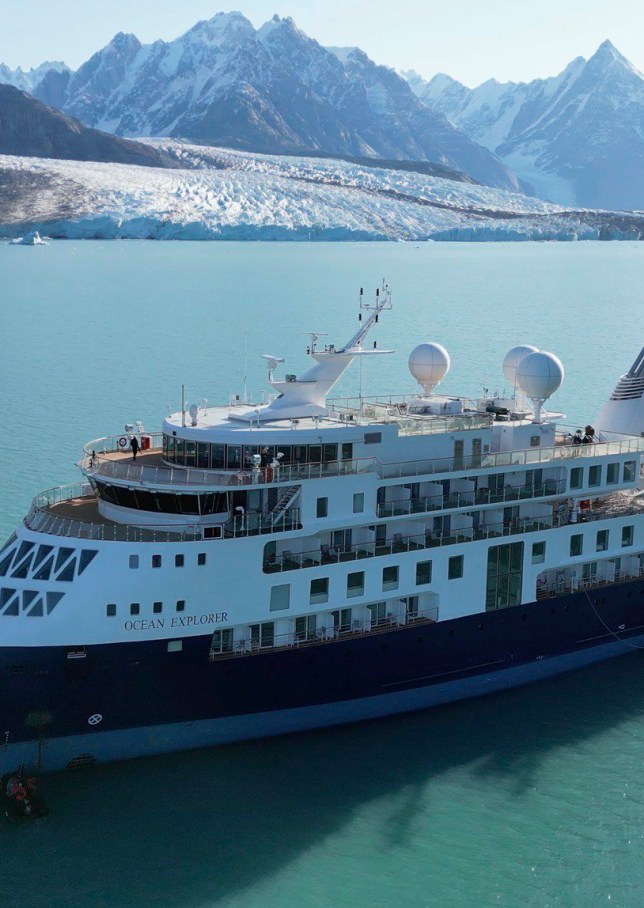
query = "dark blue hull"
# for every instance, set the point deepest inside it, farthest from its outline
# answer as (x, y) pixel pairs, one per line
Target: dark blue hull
(134, 699)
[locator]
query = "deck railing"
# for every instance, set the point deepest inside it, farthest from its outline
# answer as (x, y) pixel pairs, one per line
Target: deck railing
(249, 646)
(292, 561)
(569, 586)
(469, 499)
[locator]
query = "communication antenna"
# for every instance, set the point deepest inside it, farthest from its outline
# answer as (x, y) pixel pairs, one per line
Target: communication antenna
(273, 362)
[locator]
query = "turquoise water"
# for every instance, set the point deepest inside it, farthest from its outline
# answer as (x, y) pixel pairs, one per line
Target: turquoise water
(534, 797)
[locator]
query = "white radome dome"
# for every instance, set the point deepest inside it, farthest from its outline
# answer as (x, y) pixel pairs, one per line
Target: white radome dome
(513, 359)
(429, 364)
(540, 374)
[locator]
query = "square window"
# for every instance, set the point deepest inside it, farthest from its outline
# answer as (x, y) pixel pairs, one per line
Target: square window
(358, 503)
(322, 508)
(629, 471)
(372, 438)
(627, 535)
(577, 478)
(111, 610)
(319, 590)
(157, 608)
(201, 558)
(134, 561)
(595, 476)
(423, 572)
(390, 578)
(612, 474)
(455, 567)
(181, 605)
(156, 561)
(538, 552)
(179, 560)
(576, 544)
(535, 441)
(175, 646)
(355, 584)
(135, 608)
(280, 597)
(602, 540)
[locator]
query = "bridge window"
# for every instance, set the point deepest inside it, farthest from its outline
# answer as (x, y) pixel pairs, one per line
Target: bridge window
(612, 474)
(595, 476)
(629, 471)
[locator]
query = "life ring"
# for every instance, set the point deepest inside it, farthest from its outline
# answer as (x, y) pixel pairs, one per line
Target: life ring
(122, 442)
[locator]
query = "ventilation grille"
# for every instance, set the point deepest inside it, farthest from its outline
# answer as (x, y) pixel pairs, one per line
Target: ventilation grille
(628, 388)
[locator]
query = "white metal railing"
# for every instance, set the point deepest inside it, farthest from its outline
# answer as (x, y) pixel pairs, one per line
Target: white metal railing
(469, 499)
(251, 646)
(571, 585)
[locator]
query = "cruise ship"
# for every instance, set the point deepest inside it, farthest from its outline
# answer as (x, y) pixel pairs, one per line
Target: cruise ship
(262, 568)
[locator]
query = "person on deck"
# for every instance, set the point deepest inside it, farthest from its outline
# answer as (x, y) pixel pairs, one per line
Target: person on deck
(134, 444)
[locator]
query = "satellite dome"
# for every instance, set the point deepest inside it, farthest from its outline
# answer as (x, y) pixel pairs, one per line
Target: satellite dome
(539, 374)
(512, 360)
(429, 364)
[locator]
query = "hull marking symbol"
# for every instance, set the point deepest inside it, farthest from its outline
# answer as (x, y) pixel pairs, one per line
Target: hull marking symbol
(96, 719)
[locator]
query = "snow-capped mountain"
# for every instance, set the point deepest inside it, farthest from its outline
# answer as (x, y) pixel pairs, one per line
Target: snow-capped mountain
(29, 79)
(578, 137)
(225, 194)
(273, 89)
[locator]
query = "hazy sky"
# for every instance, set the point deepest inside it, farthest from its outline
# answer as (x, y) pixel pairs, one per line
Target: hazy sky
(472, 40)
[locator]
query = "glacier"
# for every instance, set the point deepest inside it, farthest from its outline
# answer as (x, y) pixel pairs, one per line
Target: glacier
(219, 194)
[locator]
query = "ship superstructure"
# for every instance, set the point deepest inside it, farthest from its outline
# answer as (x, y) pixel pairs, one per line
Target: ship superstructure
(264, 568)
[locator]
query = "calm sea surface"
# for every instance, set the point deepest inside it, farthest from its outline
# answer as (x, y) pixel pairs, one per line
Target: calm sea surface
(530, 798)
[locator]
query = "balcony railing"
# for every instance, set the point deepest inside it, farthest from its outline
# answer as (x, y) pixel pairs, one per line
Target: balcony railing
(531, 457)
(291, 561)
(250, 646)
(401, 506)
(570, 585)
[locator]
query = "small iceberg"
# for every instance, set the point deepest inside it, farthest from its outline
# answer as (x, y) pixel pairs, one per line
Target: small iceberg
(30, 239)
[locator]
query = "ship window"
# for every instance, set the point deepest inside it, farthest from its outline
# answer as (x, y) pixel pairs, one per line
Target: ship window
(390, 578)
(13, 609)
(595, 476)
(201, 559)
(504, 576)
(181, 605)
(577, 478)
(233, 457)
(43, 573)
(26, 547)
(157, 608)
(203, 458)
(23, 569)
(175, 646)
(217, 456)
(134, 561)
(262, 635)
(535, 441)
(612, 474)
(4, 564)
(358, 502)
(372, 438)
(629, 471)
(178, 560)
(222, 641)
(329, 453)
(52, 601)
(576, 544)
(135, 608)
(315, 453)
(110, 610)
(156, 561)
(602, 540)
(355, 584)
(86, 558)
(280, 597)
(43, 551)
(538, 552)
(305, 628)
(322, 507)
(319, 590)
(342, 620)
(627, 535)
(423, 572)
(67, 573)
(378, 611)
(10, 541)
(455, 567)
